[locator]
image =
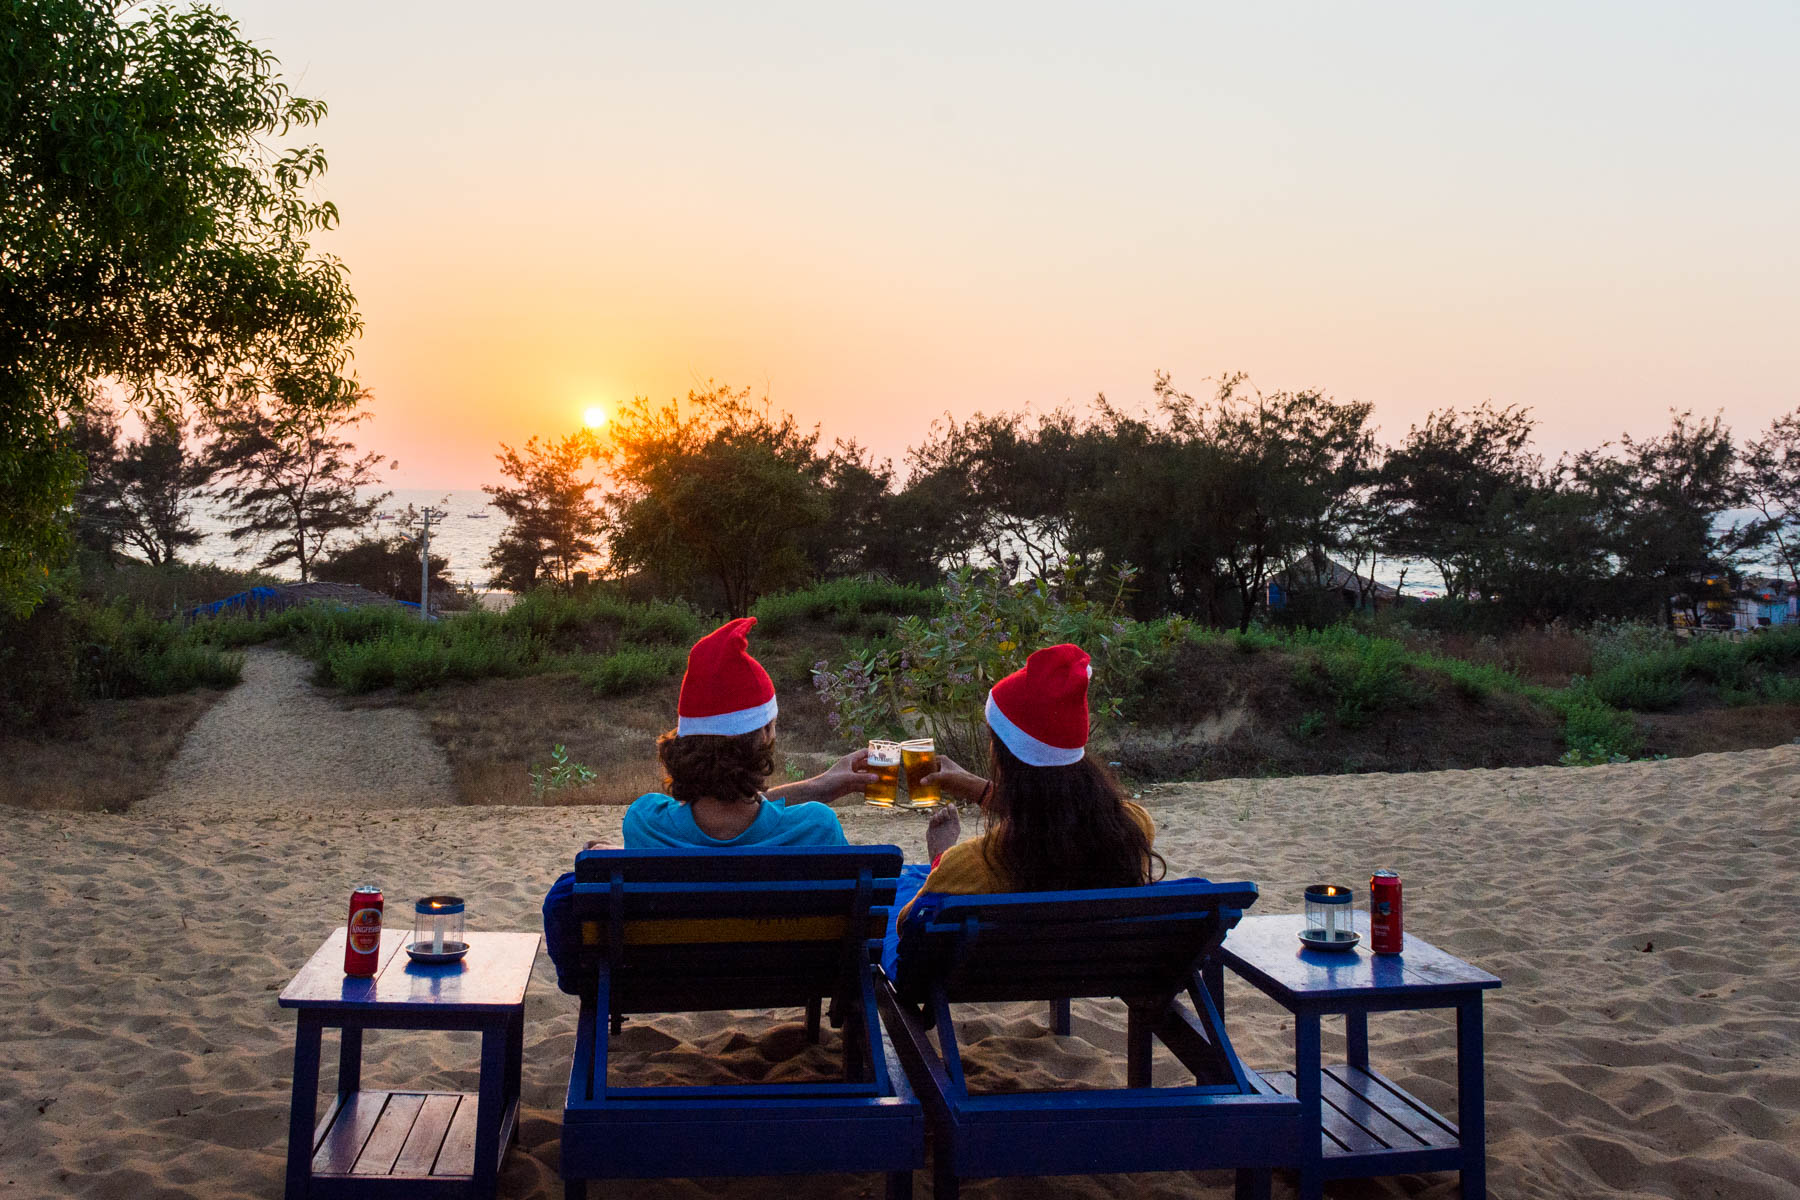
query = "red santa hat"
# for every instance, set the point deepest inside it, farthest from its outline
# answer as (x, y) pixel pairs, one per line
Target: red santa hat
(1040, 712)
(725, 692)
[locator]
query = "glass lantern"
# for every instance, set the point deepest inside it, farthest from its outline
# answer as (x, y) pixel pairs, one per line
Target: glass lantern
(438, 927)
(1328, 919)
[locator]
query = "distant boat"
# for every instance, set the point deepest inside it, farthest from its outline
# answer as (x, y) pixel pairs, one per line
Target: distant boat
(479, 516)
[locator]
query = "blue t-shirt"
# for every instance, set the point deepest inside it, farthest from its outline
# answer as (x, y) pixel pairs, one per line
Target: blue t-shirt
(656, 821)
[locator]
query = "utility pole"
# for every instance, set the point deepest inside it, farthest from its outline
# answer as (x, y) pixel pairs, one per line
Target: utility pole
(425, 562)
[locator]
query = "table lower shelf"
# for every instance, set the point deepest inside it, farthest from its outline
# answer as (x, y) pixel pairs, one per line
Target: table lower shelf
(1373, 1127)
(371, 1141)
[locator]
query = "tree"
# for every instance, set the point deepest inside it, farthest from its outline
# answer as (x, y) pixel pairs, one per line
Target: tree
(1662, 500)
(138, 494)
(152, 233)
(1769, 477)
(293, 479)
(1453, 489)
(389, 565)
(554, 525)
(726, 493)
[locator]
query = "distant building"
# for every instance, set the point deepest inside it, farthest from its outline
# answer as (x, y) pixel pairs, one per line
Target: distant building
(1355, 591)
(1760, 603)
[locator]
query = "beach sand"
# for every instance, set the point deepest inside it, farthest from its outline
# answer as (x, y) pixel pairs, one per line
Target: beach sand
(1642, 916)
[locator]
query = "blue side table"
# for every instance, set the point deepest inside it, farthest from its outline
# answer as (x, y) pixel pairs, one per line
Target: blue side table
(373, 1144)
(1367, 1124)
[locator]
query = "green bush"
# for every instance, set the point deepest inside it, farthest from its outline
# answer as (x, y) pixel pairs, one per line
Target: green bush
(1593, 731)
(1652, 683)
(555, 617)
(857, 604)
(631, 669)
(1362, 676)
(422, 656)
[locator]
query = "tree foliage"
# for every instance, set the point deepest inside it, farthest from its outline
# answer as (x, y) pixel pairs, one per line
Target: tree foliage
(293, 481)
(726, 492)
(1453, 490)
(137, 493)
(389, 565)
(153, 232)
(1769, 478)
(554, 522)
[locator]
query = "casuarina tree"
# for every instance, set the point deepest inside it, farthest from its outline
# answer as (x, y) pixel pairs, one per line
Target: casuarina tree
(554, 521)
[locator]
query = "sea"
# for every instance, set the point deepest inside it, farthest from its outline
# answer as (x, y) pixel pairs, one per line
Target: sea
(464, 535)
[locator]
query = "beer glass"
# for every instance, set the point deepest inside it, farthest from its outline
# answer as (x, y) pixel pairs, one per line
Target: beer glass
(919, 757)
(884, 764)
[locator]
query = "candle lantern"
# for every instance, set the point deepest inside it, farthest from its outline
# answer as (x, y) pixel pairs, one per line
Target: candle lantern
(438, 929)
(1328, 924)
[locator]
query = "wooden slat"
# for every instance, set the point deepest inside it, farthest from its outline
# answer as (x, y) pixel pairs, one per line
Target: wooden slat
(1360, 1109)
(1346, 1136)
(1405, 1109)
(427, 1135)
(338, 1152)
(383, 1147)
(458, 1155)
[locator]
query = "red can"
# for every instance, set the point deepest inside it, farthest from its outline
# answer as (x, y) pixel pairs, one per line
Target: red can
(362, 941)
(1387, 929)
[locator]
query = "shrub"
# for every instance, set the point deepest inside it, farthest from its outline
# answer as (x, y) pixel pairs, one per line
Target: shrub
(555, 616)
(937, 678)
(422, 655)
(857, 604)
(1593, 731)
(631, 669)
(1363, 676)
(1651, 683)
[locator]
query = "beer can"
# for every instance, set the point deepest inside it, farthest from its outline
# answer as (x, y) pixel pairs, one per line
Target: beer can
(1387, 927)
(362, 939)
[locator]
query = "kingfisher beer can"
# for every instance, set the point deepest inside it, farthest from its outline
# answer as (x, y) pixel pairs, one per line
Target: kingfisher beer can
(362, 941)
(1386, 927)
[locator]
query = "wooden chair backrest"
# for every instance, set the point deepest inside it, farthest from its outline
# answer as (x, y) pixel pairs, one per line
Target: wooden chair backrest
(1142, 942)
(698, 930)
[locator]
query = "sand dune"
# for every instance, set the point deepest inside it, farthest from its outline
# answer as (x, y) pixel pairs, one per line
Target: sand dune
(1647, 1041)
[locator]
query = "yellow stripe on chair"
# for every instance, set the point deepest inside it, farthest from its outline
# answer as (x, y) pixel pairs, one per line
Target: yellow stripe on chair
(691, 931)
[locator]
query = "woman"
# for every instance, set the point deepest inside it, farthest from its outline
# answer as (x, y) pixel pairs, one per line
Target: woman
(717, 760)
(1056, 819)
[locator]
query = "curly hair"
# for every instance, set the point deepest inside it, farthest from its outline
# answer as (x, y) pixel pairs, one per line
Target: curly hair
(724, 768)
(1053, 828)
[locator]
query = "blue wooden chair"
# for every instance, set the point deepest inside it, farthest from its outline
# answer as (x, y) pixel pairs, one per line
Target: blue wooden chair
(1145, 945)
(694, 931)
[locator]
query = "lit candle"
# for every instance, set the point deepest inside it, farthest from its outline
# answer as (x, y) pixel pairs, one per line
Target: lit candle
(437, 928)
(1331, 915)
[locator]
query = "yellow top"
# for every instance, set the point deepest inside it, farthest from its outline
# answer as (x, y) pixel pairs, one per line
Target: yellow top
(964, 870)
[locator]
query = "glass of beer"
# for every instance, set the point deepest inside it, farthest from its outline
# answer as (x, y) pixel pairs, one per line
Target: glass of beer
(919, 757)
(884, 764)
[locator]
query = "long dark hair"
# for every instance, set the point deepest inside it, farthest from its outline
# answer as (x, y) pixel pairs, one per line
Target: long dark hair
(707, 764)
(1052, 828)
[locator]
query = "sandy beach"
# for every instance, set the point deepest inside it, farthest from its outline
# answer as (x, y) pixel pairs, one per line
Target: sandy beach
(1646, 1042)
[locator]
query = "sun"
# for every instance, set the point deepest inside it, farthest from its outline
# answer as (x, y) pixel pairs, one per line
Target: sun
(593, 416)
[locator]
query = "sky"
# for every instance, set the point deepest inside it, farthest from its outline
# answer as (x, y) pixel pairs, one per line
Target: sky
(879, 215)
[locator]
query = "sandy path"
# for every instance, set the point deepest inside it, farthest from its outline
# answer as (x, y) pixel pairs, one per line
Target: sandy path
(276, 741)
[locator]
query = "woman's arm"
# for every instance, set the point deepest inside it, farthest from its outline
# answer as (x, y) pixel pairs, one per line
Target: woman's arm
(846, 775)
(957, 783)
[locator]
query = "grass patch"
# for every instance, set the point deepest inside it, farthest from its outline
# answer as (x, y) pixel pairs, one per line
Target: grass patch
(105, 759)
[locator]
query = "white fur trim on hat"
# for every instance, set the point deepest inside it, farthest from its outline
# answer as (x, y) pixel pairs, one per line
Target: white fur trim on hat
(744, 720)
(1031, 752)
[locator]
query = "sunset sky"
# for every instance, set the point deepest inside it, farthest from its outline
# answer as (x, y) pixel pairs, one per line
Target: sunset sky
(879, 214)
